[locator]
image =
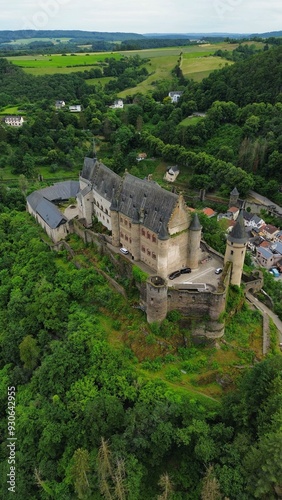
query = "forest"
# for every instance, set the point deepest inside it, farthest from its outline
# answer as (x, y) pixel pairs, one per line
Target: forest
(93, 418)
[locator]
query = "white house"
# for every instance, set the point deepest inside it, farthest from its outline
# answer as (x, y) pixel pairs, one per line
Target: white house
(59, 104)
(171, 173)
(14, 121)
(75, 108)
(175, 95)
(118, 104)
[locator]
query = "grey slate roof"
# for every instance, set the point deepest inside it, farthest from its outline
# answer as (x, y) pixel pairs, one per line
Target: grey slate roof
(43, 201)
(50, 214)
(238, 232)
(88, 170)
(195, 224)
(235, 192)
(265, 252)
(147, 197)
(106, 182)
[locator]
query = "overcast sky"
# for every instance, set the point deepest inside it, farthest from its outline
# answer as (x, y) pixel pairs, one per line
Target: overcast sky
(144, 16)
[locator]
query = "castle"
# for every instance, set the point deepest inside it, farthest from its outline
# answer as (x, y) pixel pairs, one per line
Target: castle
(154, 224)
(157, 229)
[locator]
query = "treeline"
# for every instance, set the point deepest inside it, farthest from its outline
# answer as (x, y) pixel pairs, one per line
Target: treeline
(152, 43)
(258, 79)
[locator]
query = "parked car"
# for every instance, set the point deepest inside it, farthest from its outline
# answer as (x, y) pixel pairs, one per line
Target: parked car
(218, 270)
(185, 270)
(274, 272)
(124, 250)
(175, 274)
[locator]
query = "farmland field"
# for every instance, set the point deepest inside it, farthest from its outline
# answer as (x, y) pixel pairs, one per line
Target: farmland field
(197, 62)
(50, 64)
(26, 41)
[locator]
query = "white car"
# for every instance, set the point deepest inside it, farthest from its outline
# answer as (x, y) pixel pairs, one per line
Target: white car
(124, 250)
(218, 270)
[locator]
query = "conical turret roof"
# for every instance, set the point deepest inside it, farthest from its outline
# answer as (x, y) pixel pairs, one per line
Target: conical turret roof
(238, 233)
(163, 234)
(195, 224)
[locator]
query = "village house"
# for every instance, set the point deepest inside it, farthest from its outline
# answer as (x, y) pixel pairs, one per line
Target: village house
(265, 257)
(14, 121)
(269, 231)
(171, 173)
(60, 104)
(141, 156)
(118, 104)
(233, 212)
(76, 108)
(175, 95)
(209, 212)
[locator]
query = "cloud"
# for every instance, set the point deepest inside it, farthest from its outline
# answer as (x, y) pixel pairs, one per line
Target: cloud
(160, 16)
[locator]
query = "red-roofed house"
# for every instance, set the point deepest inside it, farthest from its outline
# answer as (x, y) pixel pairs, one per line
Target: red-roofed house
(209, 212)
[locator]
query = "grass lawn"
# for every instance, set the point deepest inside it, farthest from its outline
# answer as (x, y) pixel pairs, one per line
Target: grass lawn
(26, 41)
(12, 110)
(190, 120)
(101, 81)
(200, 67)
(57, 63)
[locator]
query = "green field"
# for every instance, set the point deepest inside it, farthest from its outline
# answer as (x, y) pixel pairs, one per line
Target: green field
(26, 41)
(197, 62)
(50, 64)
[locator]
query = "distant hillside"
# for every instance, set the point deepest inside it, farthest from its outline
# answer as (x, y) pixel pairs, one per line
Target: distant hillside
(8, 35)
(257, 79)
(269, 34)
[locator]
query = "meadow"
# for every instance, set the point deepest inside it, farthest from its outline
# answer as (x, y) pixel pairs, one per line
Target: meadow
(60, 63)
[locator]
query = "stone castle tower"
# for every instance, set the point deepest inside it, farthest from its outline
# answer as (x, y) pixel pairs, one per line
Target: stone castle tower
(236, 250)
(195, 231)
(234, 197)
(156, 291)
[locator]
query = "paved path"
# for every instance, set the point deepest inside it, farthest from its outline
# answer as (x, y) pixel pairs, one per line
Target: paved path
(264, 309)
(265, 201)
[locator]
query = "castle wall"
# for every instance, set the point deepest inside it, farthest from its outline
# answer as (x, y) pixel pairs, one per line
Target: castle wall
(180, 217)
(101, 208)
(177, 252)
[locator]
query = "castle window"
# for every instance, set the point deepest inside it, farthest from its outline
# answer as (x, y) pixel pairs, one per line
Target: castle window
(108, 221)
(129, 240)
(148, 252)
(125, 222)
(148, 235)
(98, 205)
(121, 219)
(143, 232)
(121, 235)
(107, 211)
(154, 239)
(130, 224)
(143, 249)
(126, 237)
(154, 255)
(232, 252)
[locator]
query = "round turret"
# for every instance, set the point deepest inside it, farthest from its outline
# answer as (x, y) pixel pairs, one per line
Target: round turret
(156, 299)
(236, 249)
(195, 231)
